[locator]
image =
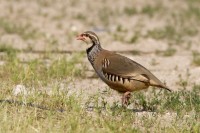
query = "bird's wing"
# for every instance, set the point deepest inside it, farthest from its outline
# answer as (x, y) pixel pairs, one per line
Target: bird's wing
(122, 66)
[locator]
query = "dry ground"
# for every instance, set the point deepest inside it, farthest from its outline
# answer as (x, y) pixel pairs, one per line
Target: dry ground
(161, 35)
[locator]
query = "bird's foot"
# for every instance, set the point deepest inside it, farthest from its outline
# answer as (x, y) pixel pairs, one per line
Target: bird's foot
(125, 99)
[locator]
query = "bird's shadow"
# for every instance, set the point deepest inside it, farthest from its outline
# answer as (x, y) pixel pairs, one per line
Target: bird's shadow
(120, 108)
(143, 110)
(20, 103)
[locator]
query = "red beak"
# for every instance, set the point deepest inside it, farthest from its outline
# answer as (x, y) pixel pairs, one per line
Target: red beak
(80, 37)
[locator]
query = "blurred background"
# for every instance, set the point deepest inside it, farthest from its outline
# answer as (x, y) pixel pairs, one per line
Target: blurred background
(53, 24)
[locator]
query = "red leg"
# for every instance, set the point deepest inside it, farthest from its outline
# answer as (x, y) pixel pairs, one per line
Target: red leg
(125, 98)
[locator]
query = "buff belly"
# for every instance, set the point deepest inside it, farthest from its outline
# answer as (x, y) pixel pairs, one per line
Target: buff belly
(131, 85)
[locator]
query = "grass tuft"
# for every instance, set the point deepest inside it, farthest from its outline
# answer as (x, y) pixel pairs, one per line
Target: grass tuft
(25, 31)
(167, 52)
(196, 58)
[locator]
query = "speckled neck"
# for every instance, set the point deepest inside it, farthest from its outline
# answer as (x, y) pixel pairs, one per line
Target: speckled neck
(92, 52)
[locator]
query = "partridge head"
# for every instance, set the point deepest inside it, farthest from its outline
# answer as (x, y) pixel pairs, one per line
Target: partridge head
(89, 37)
(118, 72)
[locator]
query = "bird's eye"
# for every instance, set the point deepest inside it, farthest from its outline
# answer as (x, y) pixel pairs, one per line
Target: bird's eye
(86, 35)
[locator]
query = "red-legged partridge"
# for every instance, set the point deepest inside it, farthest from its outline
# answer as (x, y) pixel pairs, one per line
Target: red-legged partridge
(118, 72)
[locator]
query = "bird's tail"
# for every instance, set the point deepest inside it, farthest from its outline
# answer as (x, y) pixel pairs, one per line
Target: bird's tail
(164, 87)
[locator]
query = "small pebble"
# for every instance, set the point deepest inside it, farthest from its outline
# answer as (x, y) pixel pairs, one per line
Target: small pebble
(19, 90)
